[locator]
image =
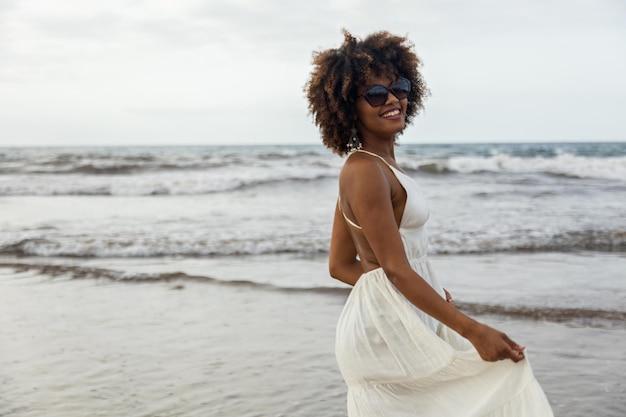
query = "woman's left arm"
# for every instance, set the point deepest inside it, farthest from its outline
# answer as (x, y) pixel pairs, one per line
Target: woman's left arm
(342, 262)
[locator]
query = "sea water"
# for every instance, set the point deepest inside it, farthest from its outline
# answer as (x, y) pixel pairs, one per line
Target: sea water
(534, 233)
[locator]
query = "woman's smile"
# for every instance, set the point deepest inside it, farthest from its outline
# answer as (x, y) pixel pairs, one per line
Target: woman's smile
(392, 114)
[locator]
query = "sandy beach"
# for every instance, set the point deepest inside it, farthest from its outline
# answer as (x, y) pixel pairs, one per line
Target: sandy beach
(77, 345)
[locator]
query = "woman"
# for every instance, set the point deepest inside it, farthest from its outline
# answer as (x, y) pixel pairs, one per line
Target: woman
(402, 346)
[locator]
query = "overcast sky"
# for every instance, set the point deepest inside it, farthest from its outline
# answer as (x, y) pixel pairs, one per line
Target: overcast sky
(155, 72)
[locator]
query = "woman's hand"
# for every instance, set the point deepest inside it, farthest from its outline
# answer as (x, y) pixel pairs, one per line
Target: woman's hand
(493, 345)
(448, 297)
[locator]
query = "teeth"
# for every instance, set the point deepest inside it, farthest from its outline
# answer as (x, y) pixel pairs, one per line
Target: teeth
(392, 113)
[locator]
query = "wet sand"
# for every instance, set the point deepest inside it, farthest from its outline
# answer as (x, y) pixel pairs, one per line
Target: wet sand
(182, 348)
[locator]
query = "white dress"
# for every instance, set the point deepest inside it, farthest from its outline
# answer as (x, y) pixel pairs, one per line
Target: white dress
(398, 361)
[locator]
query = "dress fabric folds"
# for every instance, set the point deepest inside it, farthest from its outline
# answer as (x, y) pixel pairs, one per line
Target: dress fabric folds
(398, 362)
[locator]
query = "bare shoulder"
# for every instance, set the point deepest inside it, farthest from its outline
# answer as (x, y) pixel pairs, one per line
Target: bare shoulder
(362, 168)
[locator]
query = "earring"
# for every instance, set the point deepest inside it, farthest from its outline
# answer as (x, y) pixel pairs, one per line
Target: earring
(354, 143)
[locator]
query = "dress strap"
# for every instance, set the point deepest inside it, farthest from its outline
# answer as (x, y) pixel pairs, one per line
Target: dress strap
(350, 222)
(376, 155)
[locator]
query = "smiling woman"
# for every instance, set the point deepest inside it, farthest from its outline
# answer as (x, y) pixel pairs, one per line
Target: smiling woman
(340, 77)
(402, 346)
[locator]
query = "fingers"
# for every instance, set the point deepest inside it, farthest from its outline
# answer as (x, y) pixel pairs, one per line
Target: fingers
(505, 348)
(515, 355)
(448, 297)
(493, 345)
(512, 344)
(515, 352)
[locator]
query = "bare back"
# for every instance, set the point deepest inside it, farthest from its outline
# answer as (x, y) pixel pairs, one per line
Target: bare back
(364, 167)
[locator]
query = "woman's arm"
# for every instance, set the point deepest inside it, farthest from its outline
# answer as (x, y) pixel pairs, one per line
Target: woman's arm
(369, 196)
(343, 263)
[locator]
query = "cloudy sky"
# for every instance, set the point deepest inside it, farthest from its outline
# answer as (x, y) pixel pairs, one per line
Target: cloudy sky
(154, 72)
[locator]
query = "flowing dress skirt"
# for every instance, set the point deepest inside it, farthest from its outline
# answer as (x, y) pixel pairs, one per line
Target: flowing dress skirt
(399, 362)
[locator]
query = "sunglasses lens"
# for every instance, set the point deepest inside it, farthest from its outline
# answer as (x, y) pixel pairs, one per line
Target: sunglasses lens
(376, 95)
(401, 88)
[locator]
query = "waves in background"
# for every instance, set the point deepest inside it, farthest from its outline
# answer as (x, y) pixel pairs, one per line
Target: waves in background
(129, 273)
(182, 214)
(136, 171)
(204, 201)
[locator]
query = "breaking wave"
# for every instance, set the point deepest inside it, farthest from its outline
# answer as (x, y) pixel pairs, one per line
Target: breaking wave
(563, 164)
(42, 243)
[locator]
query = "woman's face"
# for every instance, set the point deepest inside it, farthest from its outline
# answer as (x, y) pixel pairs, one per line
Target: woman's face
(383, 121)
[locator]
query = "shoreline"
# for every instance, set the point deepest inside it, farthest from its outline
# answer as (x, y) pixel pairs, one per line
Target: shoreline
(75, 347)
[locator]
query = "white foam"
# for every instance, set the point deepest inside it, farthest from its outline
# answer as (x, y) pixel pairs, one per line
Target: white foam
(613, 168)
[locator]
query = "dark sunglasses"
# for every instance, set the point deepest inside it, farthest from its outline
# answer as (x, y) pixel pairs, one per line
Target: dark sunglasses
(376, 95)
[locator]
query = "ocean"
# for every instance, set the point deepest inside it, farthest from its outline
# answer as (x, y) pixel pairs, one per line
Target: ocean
(192, 281)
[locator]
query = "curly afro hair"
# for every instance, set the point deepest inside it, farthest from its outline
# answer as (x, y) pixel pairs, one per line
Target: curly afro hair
(339, 73)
